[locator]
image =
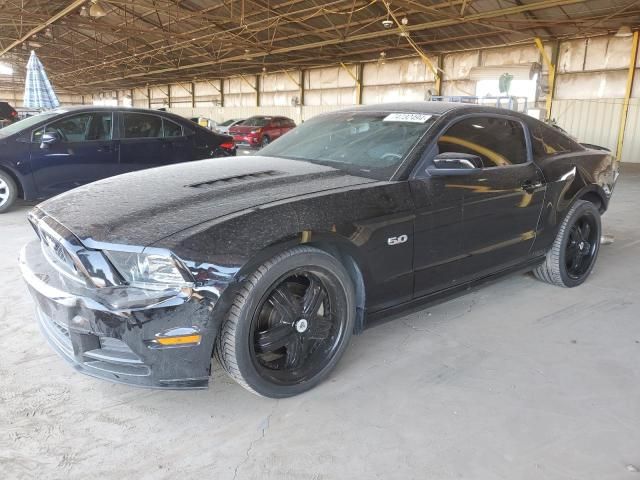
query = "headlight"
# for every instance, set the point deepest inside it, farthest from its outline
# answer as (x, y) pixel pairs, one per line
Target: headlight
(157, 271)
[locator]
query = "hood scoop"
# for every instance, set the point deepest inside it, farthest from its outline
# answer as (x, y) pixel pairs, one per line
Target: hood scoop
(236, 179)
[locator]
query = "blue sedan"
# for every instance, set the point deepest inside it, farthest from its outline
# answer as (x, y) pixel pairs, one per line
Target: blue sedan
(53, 152)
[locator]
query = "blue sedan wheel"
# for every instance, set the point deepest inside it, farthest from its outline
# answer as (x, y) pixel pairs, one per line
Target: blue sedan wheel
(8, 192)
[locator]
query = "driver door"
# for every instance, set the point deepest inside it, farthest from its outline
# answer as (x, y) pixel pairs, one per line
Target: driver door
(83, 152)
(479, 201)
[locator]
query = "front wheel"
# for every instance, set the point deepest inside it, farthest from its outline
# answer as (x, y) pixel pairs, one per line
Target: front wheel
(575, 249)
(8, 192)
(289, 324)
(265, 141)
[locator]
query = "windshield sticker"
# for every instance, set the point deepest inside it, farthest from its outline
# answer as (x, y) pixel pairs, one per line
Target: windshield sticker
(407, 117)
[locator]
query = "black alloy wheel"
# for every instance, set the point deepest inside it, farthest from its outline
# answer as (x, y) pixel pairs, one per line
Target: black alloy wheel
(573, 254)
(289, 323)
(581, 247)
(295, 330)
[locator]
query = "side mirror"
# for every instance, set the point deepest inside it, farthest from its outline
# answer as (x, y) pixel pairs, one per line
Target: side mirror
(49, 138)
(457, 161)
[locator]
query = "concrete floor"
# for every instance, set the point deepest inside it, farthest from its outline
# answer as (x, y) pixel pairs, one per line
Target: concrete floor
(517, 380)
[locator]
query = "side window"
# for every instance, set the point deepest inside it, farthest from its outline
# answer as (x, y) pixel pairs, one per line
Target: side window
(546, 141)
(171, 129)
(142, 125)
(275, 123)
(497, 141)
(79, 128)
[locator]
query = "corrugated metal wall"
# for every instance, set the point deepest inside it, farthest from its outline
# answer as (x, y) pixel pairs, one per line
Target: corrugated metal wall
(590, 88)
(593, 121)
(631, 147)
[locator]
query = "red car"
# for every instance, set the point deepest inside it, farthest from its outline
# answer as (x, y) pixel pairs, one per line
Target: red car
(259, 131)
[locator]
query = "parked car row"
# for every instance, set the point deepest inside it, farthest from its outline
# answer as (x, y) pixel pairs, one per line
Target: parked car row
(252, 133)
(259, 131)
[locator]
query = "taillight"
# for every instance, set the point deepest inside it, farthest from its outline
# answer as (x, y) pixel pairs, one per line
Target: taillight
(228, 145)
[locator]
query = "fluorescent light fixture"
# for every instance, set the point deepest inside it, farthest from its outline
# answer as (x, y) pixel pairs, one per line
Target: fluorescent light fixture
(96, 10)
(5, 69)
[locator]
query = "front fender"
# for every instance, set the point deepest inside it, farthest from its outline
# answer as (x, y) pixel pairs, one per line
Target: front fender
(357, 222)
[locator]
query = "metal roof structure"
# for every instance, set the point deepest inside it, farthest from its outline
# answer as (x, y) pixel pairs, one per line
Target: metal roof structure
(148, 42)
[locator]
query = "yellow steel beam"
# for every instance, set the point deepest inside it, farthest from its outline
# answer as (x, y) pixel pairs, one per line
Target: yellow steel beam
(627, 94)
(249, 83)
(552, 78)
(291, 78)
(355, 79)
(353, 38)
(439, 73)
(62, 13)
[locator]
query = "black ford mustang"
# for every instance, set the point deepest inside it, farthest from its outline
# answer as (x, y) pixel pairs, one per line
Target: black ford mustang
(271, 262)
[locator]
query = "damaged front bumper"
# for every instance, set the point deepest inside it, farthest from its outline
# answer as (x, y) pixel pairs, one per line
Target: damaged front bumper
(124, 345)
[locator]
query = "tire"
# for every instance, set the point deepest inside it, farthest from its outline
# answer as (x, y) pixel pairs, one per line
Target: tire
(557, 268)
(271, 356)
(8, 192)
(265, 141)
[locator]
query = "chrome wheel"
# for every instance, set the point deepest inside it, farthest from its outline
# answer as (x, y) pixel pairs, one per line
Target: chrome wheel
(296, 330)
(5, 192)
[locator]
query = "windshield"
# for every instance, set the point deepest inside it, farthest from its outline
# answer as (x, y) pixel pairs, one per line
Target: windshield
(256, 122)
(370, 144)
(227, 123)
(25, 124)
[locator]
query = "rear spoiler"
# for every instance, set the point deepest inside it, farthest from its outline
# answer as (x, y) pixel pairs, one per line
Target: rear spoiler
(591, 146)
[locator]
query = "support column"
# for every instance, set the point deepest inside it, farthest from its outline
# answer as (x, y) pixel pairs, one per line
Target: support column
(169, 95)
(258, 90)
(357, 77)
(627, 95)
(439, 76)
(551, 65)
(193, 94)
(360, 84)
(222, 92)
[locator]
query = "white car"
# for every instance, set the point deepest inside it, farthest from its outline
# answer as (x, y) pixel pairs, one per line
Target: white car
(224, 126)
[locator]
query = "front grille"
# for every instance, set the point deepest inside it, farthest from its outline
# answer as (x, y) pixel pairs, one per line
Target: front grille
(56, 332)
(115, 356)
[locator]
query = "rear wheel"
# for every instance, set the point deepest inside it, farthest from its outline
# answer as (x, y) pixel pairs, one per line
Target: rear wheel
(575, 249)
(8, 192)
(289, 325)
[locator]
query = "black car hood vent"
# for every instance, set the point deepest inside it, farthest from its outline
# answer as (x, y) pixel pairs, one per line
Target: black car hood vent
(235, 179)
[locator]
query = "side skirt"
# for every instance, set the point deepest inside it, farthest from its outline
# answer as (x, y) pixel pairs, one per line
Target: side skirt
(391, 313)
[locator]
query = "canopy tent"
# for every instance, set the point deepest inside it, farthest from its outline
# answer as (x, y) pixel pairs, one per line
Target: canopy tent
(38, 92)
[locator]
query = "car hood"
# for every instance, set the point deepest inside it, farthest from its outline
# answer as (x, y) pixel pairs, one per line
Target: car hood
(243, 129)
(143, 207)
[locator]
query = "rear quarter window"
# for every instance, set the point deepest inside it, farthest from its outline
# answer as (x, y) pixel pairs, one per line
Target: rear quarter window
(547, 141)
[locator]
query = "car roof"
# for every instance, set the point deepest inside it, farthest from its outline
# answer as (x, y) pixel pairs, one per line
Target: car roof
(93, 108)
(432, 107)
(436, 108)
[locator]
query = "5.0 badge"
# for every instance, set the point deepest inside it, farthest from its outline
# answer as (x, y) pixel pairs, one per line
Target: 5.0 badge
(397, 240)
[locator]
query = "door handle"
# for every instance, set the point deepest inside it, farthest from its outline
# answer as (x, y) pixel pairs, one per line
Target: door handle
(529, 186)
(104, 148)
